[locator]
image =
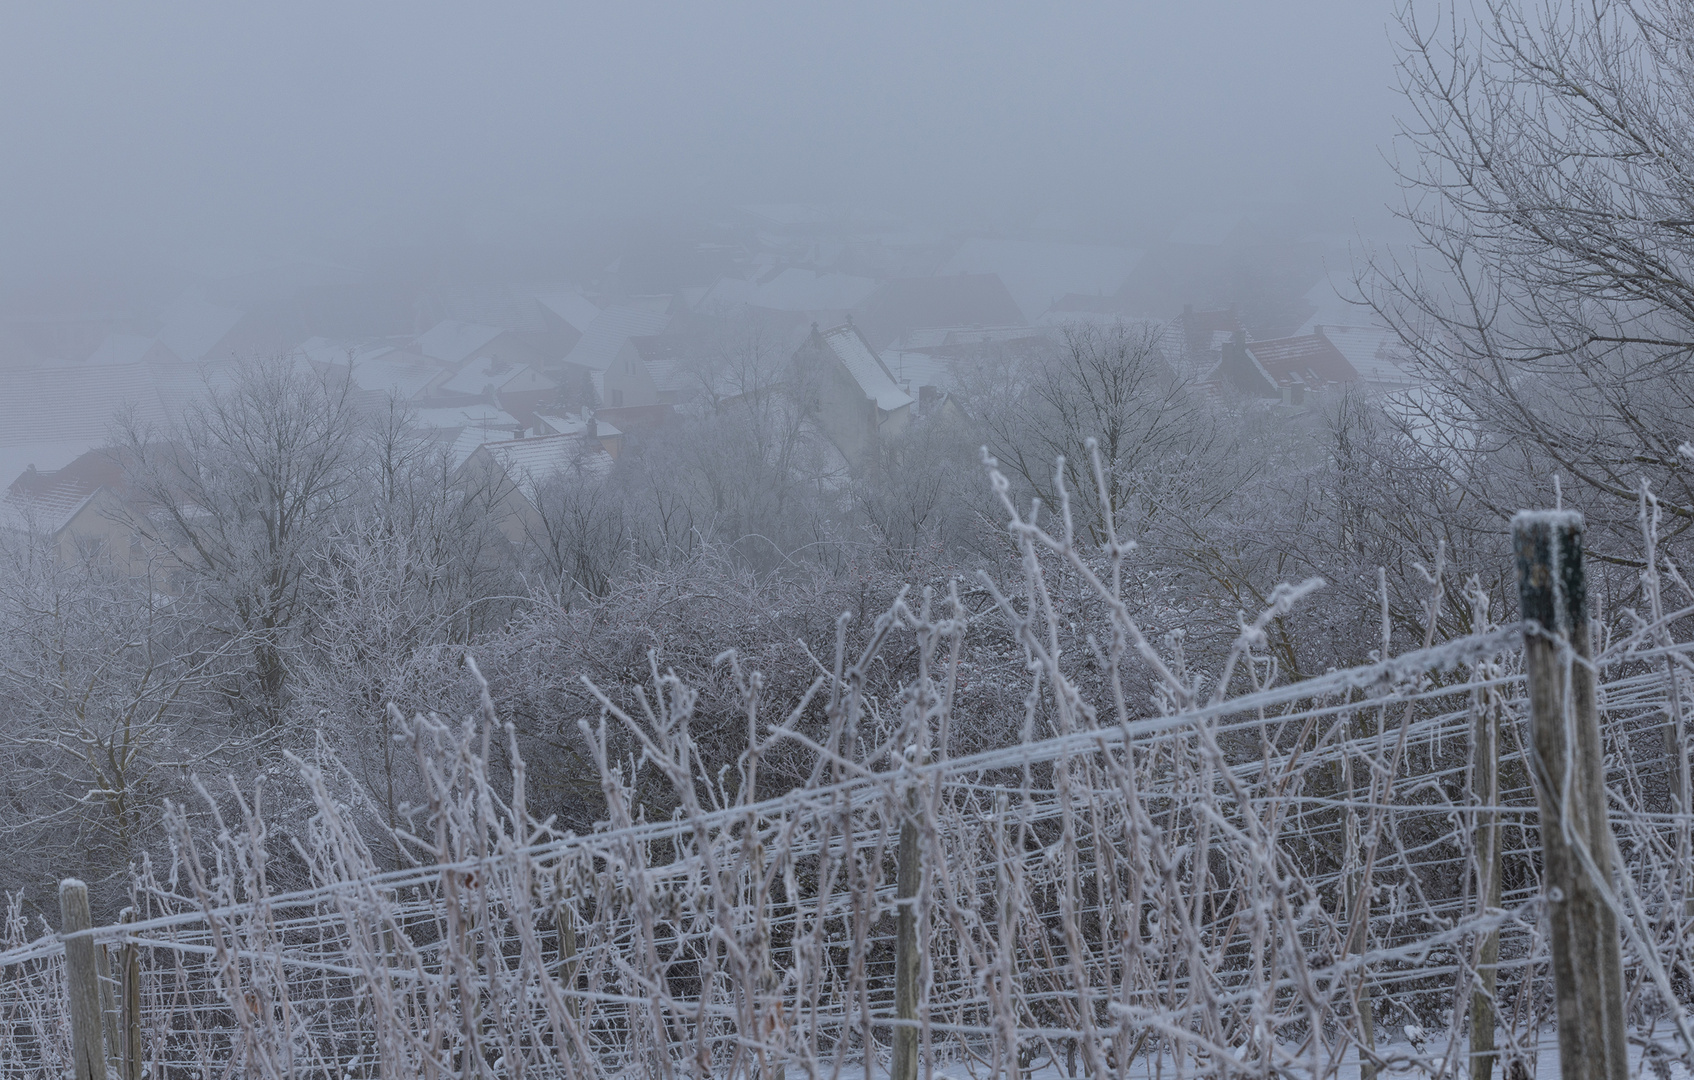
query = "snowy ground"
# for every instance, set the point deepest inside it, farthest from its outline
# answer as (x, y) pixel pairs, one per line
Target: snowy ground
(1546, 1066)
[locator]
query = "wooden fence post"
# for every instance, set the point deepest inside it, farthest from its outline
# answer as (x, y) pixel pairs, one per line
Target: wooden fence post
(82, 978)
(906, 961)
(1569, 771)
(129, 967)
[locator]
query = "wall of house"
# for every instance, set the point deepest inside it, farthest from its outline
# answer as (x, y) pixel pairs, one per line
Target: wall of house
(627, 382)
(97, 531)
(847, 417)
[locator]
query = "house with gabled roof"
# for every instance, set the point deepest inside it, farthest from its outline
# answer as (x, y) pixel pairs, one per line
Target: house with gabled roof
(514, 471)
(1287, 368)
(77, 509)
(658, 369)
(613, 326)
(455, 343)
(1376, 353)
(488, 378)
(378, 369)
(849, 391)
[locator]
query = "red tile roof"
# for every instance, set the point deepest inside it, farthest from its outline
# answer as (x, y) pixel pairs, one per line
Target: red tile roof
(1311, 359)
(48, 500)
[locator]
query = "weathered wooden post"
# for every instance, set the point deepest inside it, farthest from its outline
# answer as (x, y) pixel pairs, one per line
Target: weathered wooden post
(129, 966)
(906, 962)
(82, 978)
(1570, 787)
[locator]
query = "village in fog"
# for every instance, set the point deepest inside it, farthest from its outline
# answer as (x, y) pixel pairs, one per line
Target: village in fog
(890, 327)
(905, 540)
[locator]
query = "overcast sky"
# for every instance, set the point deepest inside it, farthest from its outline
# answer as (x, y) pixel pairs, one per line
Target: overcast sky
(311, 128)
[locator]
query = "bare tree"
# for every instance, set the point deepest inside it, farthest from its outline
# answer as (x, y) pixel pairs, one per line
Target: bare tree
(107, 703)
(447, 518)
(1550, 174)
(242, 491)
(1109, 383)
(745, 467)
(577, 535)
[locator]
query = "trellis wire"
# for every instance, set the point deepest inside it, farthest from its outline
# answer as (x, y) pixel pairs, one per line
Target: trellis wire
(1134, 893)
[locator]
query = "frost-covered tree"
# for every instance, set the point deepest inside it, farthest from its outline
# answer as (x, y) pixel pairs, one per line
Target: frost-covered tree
(1108, 383)
(1550, 176)
(242, 490)
(108, 702)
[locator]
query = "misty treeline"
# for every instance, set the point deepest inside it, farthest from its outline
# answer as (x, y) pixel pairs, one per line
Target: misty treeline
(309, 558)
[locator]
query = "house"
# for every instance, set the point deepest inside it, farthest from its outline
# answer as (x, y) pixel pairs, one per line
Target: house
(1287, 368)
(515, 471)
(850, 392)
(378, 369)
(461, 429)
(930, 364)
(584, 426)
(906, 304)
(455, 342)
(604, 339)
(50, 415)
(567, 314)
(490, 378)
(1376, 353)
(547, 321)
(660, 369)
(77, 508)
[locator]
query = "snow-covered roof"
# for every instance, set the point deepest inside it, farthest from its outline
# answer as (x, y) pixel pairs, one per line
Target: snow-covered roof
(939, 336)
(1374, 352)
(530, 463)
(468, 441)
(668, 360)
(569, 305)
(564, 425)
(406, 375)
(484, 372)
(867, 369)
(485, 418)
(75, 403)
(44, 456)
(494, 305)
(608, 332)
(1309, 359)
(455, 341)
(47, 500)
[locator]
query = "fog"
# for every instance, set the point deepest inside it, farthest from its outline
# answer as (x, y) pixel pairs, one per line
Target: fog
(756, 540)
(327, 130)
